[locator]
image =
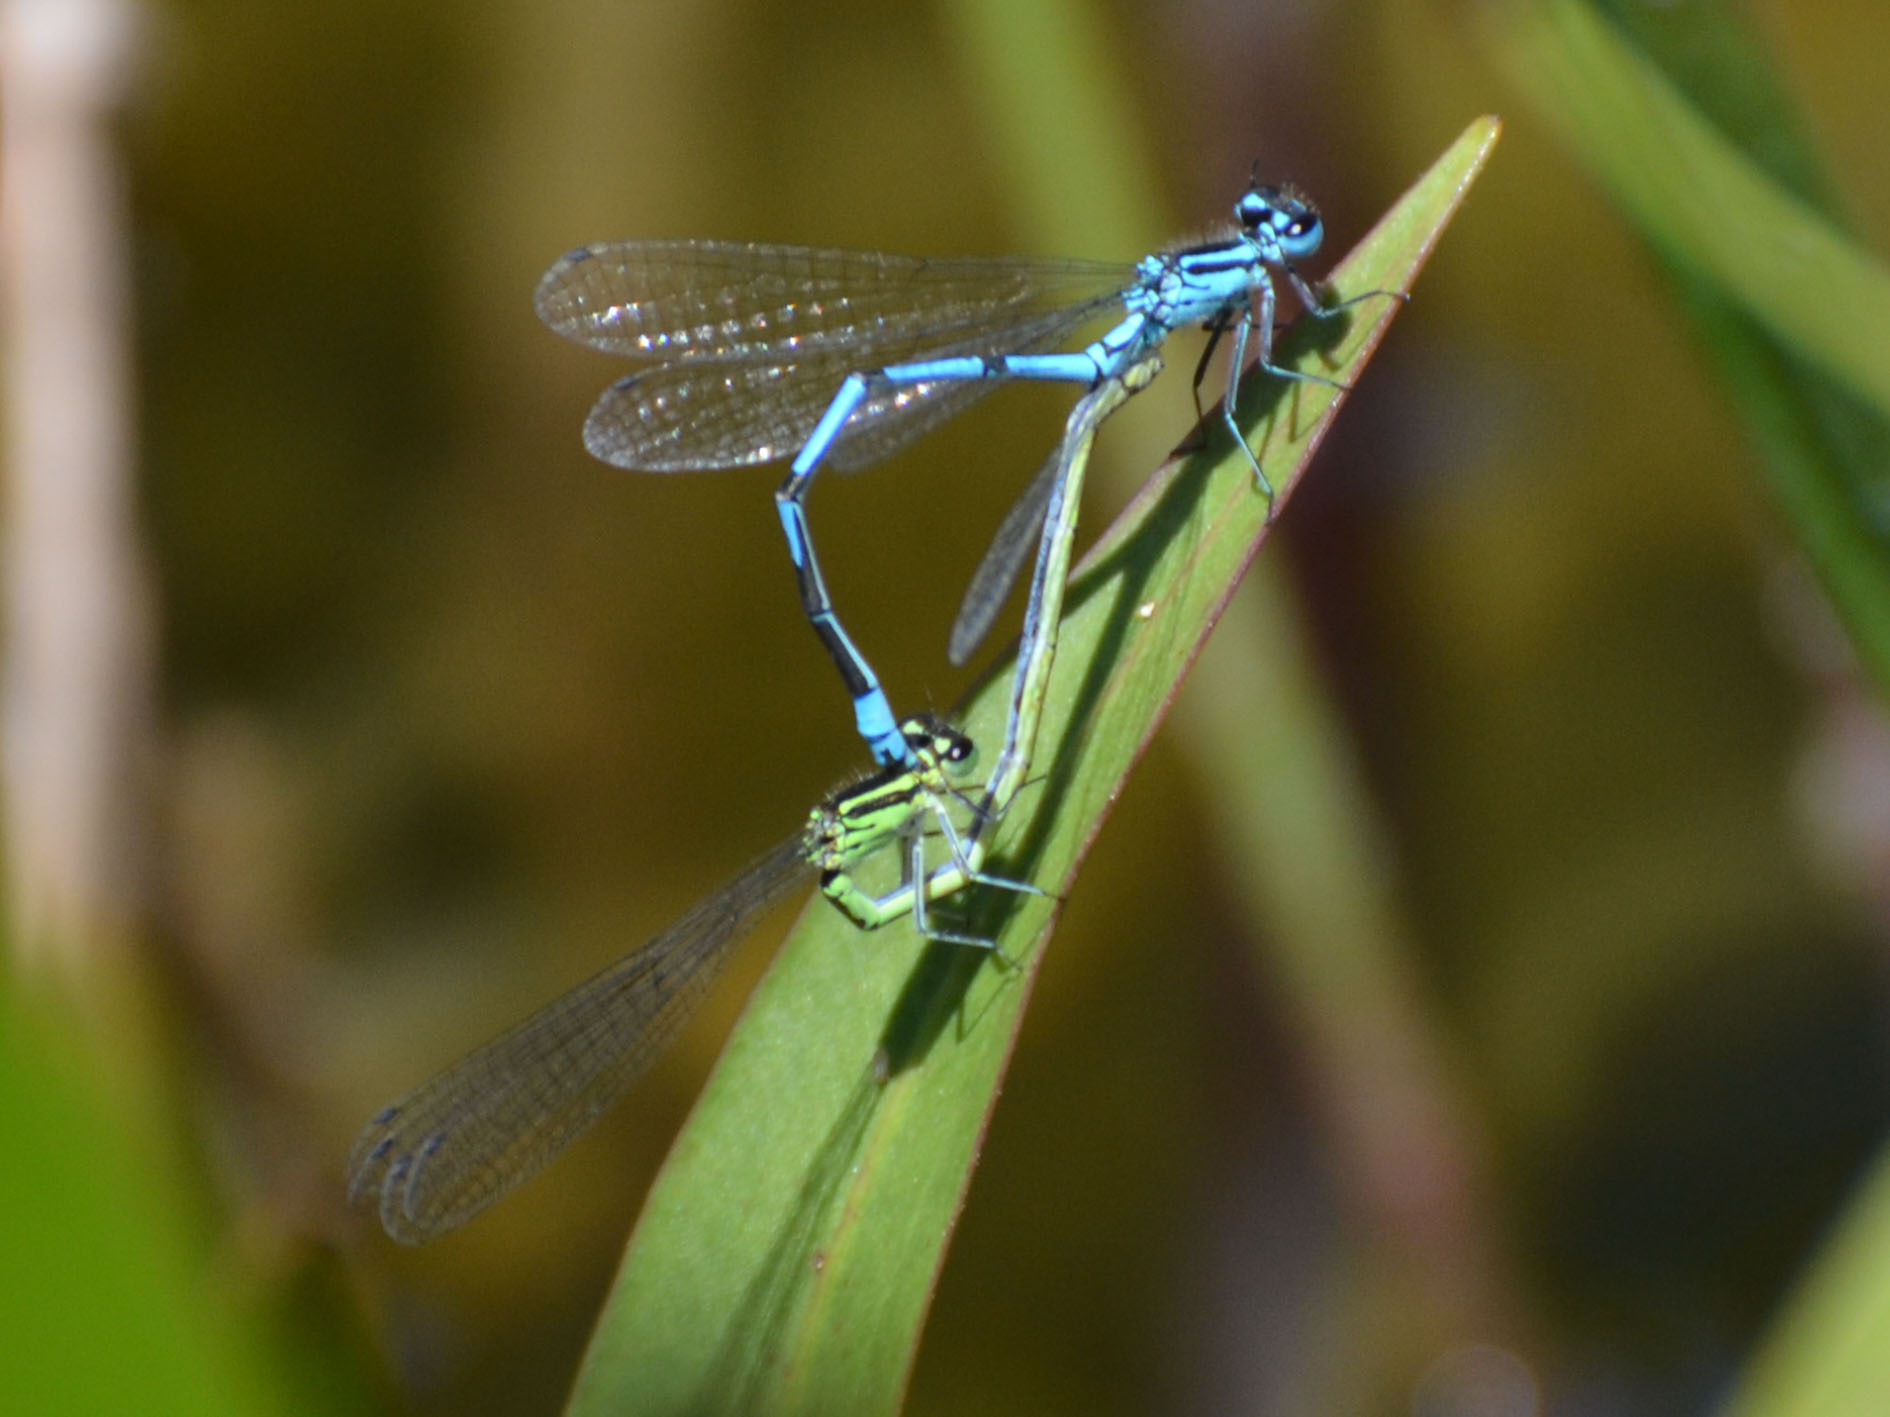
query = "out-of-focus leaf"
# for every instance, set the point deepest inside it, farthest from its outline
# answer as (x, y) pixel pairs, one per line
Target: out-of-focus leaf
(1795, 315)
(103, 1306)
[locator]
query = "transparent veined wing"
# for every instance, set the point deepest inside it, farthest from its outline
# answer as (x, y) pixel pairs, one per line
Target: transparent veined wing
(698, 414)
(991, 583)
(736, 301)
(498, 1116)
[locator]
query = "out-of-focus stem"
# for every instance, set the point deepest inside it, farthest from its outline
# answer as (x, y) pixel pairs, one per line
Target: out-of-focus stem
(77, 639)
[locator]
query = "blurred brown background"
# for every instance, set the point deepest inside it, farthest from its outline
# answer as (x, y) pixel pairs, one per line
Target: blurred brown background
(451, 714)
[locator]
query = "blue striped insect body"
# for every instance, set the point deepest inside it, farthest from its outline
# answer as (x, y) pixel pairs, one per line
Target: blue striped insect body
(843, 357)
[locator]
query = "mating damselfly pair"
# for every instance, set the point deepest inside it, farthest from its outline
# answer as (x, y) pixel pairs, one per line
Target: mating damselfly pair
(759, 352)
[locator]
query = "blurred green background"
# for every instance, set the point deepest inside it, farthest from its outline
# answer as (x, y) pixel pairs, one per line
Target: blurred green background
(452, 715)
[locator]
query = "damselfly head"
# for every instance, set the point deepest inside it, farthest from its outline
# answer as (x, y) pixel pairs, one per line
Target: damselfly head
(936, 741)
(1281, 217)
